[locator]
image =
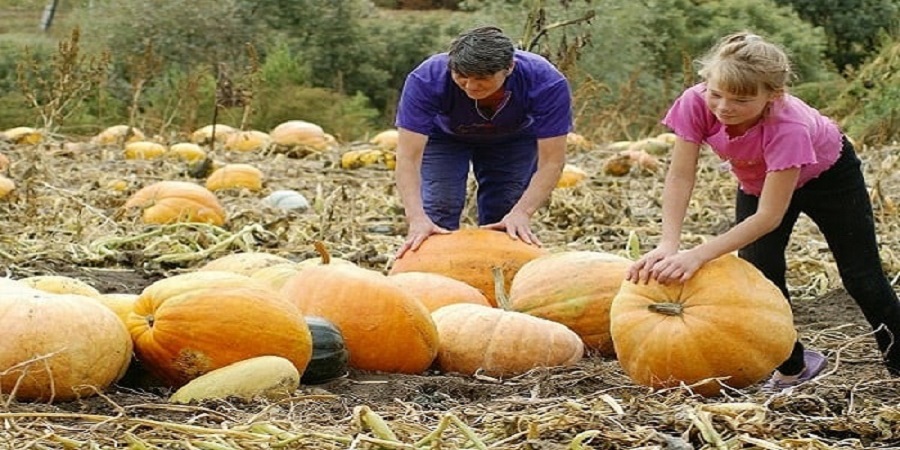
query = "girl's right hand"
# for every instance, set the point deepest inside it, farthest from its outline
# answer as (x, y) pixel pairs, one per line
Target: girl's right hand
(641, 270)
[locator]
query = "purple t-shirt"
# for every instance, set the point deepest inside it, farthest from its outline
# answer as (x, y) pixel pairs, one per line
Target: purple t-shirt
(539, 103)
(792, 134)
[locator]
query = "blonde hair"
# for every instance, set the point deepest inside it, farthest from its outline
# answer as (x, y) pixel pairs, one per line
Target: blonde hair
(742, 63)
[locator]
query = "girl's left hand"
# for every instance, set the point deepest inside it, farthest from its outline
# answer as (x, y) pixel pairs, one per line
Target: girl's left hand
(517, 226)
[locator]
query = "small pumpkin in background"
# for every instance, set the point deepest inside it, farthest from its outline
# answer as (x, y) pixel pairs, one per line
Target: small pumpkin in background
(189, 324)
(469, 255)
(235, 176)
(118, 134)
(435, 290)
(571, 176)
(120, 303)
(498, 342)
(298, 138)
(247, 141)
(168, 201)
(218, 132)
(329, 354)
(386, 140)
(244, 263)
(58, 347)
(144, 150)
(385, 329)
(6, 186)
(23, 135)
(574, 288)
(728, 324)
(61, 284)
(187, 151)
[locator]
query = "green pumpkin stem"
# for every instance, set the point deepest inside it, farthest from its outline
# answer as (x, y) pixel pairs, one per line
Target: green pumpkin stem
(669, 309)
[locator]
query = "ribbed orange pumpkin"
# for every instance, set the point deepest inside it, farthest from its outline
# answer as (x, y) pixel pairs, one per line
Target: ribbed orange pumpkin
(235, 176)
(166, 202)
(58, 347)
(469, 255)
(501, 343)
(435, 290)
(728, 323)
(574, 288)
(385, 329)
(187, 325)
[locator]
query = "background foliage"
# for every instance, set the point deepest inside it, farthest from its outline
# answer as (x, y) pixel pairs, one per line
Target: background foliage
(342, 63)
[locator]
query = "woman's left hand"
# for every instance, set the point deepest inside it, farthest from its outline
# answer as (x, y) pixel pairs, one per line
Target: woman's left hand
(517, 226)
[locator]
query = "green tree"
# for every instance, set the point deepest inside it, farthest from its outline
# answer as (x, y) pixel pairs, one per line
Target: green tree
(854, 27)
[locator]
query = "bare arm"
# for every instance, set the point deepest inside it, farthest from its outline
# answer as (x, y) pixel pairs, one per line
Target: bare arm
(551, 159)
(679, 186)
(774, 201)
(408, 175)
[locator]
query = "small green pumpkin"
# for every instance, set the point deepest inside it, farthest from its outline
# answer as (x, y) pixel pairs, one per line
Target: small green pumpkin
(329, 354)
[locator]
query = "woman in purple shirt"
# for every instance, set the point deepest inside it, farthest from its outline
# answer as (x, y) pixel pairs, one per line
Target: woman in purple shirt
(505, 112)
(788, 159)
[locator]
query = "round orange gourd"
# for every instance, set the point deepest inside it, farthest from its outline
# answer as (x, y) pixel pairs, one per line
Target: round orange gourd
(469, 255)
(186, 151)
(235, 176)
(58, 347)
(187, 325)
(571, 176)
(385, 140)
(219, 132)
(120, 303)
(298, 137)
(435, 290)
(728, 322)
(385, 329)
(177, 201)
(61, 284)
(574, 288)
(144, 150)
(118, 134)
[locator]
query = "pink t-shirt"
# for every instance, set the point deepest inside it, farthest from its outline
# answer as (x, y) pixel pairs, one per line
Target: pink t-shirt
(792, 134)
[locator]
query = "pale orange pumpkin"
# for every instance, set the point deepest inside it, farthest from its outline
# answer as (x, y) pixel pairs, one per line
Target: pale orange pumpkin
(385, 329)
(186, 151)
(469, 255)
(219, 132)
(61, 284)
(235, 176)
(168, 201)
(6, 186)
(244, 263)
(189, 324)
(571, 176)
(298, 138)
(120, 303)
(247, 141)
(118, 134)
(144, 150)
(574, 288)
(727, 324)
(58, 347)
(498, 342)
(435, 290)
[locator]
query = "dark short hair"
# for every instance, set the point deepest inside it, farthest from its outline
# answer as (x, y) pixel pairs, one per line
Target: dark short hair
(481, 51)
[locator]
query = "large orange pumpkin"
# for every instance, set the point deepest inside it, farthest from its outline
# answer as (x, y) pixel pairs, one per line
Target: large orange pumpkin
(168, 201)
(385, 329)
(58, 347)
(187, 325)
(574, 288)
(727, 323)
(469, 255)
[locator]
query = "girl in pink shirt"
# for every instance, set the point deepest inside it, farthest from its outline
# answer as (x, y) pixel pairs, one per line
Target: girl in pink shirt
(788, 159)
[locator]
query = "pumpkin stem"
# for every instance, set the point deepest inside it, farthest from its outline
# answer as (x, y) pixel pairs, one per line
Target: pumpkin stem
(322, 251)
(669, 309)
(500, 289)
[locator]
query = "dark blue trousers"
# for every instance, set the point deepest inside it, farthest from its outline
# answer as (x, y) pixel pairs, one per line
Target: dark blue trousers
(838, 203)
(502, 171)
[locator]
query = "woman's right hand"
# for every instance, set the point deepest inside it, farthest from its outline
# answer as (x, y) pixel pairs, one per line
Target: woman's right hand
(419, 230)
(641, 270)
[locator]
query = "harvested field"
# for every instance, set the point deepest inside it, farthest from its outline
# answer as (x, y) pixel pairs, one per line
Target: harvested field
(65, 219)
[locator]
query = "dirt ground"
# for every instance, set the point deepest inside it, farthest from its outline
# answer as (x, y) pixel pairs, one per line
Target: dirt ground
(64, 220)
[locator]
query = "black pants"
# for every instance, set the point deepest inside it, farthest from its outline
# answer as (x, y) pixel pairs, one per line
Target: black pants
(838, 202)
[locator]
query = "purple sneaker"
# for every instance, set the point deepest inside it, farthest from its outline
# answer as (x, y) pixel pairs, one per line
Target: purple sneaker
(815, 363)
